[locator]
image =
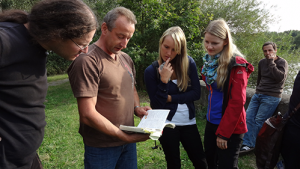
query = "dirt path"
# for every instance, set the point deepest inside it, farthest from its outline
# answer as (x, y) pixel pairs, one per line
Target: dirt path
(58, 82)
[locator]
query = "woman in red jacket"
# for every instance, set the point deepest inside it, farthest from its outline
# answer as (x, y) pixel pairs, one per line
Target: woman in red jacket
(226, 73)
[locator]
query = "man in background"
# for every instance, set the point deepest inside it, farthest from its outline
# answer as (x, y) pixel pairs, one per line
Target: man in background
(272, 73)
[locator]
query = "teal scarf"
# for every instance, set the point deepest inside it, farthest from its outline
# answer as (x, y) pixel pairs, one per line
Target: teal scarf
(210, 68)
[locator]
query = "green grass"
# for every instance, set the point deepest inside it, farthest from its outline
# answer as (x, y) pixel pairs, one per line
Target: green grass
(57, 77)
(62, 147)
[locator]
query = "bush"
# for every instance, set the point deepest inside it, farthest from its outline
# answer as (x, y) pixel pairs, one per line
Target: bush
(153, 19)
(56, 64)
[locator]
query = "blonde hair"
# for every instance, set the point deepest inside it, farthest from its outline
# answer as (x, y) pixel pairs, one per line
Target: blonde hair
(181, 60)
(220, 29)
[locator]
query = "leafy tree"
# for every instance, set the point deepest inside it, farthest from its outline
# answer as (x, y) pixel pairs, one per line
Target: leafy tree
(297, 41)
(16, 4)
(248, 22)
(296, 37)
(102, 7)
(245, 16)
(154, 18)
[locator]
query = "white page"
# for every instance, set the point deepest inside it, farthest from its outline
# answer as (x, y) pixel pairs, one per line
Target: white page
(155, 119)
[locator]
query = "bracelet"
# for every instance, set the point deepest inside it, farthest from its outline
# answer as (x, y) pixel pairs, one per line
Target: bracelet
(136, 107)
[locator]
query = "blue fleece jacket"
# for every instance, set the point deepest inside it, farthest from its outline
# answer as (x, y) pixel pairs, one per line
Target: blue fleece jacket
(215, 103)
(158, 91)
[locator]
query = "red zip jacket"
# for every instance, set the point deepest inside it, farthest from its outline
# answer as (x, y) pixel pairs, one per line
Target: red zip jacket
(233, 112)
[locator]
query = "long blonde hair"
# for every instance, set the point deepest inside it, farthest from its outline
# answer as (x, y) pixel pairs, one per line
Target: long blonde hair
(181, 60)
(220, 29)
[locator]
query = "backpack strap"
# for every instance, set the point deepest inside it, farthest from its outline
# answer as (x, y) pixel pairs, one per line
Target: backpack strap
(288, 115)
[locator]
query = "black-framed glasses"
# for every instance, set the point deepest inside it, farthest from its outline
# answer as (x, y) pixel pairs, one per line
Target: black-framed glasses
(81, 48)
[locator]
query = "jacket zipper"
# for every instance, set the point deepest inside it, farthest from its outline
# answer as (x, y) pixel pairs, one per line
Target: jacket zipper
(211, 92)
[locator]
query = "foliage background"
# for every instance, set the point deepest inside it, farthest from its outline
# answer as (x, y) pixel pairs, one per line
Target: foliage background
(247, 19)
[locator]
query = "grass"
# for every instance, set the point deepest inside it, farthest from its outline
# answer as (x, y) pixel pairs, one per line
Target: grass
(62, 147)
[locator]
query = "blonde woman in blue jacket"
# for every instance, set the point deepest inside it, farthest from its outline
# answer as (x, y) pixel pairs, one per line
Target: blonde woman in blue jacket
(175, 86)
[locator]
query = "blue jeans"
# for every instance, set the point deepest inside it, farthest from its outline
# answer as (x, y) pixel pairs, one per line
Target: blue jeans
(110, 157)
(260, 108)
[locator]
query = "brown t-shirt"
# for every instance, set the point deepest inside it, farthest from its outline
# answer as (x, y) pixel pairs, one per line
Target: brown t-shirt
(112, 81)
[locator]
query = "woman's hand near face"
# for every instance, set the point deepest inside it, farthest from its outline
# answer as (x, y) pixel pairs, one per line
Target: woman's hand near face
(166, 72)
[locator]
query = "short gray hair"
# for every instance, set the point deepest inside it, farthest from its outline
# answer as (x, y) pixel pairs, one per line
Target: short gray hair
(115, 13)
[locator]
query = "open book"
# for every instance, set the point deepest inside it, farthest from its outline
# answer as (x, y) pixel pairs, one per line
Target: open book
(153, 124)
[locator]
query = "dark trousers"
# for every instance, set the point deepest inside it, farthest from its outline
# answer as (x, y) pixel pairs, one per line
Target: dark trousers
(190, 139)
(216, 157)
(291, 146)
(36, 163)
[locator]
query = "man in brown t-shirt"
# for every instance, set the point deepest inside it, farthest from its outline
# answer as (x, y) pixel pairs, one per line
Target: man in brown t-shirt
(272, 73)
(103, 81)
